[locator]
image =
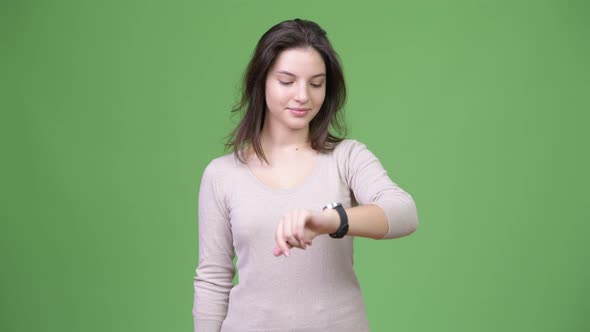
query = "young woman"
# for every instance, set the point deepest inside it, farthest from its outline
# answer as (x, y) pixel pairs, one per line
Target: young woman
(291, 198)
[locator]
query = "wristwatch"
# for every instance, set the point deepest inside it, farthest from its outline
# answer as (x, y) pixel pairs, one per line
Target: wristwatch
(343, 229)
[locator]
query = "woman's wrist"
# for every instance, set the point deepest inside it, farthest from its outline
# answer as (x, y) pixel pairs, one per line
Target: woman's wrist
(330, 221)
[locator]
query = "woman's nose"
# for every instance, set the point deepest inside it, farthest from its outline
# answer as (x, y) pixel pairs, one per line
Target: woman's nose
(302, 95)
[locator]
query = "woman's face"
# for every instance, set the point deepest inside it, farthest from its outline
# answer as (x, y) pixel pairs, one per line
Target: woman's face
(295, 88)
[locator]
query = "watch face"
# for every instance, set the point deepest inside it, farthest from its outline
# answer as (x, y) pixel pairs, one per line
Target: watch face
(332, 205)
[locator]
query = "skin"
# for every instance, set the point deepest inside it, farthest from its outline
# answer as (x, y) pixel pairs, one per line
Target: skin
(297, 81)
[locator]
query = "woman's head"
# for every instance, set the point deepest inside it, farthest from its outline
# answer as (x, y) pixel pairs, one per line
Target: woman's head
(294, 76)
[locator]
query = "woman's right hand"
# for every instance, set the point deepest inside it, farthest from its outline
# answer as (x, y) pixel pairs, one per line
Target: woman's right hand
(298, 228)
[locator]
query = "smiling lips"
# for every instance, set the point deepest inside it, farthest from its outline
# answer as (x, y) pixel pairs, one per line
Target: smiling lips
(299, 111)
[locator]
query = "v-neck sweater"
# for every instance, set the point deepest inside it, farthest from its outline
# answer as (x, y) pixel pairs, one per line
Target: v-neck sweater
(311, 290)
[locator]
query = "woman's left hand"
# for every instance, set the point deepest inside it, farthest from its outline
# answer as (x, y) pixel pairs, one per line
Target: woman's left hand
(298, 228)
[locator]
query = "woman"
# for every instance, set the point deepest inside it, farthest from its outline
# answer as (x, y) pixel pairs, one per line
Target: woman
(290, 199)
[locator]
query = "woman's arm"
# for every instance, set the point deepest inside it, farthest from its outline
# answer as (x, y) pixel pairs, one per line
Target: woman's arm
(364, 221)
(303, 226)
(215, 271)
(385, 211)
(371, 185)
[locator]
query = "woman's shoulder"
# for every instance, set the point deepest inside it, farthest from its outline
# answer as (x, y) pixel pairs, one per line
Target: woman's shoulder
(347, 146)
(222, 166)
(352, 153)
(347, 142)
(227, 159)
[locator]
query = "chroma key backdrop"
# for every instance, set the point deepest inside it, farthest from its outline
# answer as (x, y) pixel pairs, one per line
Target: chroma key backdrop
(112, 109)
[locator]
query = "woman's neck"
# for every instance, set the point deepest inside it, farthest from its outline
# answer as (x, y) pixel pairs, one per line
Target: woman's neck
(281, 146)
(284, 140)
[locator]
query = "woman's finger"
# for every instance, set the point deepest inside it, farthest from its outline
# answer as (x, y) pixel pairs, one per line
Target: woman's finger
(298, 228)
(277, 250)
(288, 233)
(280, 239)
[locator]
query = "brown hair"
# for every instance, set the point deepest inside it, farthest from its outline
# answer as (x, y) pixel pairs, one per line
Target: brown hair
(285, 35)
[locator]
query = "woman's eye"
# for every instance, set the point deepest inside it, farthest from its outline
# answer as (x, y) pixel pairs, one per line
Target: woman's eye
(318, 85)
(285, 83)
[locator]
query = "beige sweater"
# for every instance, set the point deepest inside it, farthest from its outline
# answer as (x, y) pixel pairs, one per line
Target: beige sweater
(312, 290)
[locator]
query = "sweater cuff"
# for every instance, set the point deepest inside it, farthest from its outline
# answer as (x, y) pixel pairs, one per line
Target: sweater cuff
(207, 325)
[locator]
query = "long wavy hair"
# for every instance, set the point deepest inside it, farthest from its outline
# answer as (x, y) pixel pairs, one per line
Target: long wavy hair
(327, 128)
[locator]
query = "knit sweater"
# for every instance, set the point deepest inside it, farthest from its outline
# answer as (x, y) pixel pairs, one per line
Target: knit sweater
(311, 290)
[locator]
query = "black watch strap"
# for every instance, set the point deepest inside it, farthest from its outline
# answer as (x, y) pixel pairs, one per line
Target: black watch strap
(343, 229)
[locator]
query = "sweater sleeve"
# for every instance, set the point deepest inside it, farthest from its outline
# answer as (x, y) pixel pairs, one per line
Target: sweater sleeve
(370, 184)
(215, 271)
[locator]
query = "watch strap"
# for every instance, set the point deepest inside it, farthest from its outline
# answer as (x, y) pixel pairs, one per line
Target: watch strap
(343, 229)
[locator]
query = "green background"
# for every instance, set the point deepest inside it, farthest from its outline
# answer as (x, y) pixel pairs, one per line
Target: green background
(112, 109)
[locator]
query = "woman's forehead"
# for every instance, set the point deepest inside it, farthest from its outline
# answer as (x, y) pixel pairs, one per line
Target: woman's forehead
(300, 62)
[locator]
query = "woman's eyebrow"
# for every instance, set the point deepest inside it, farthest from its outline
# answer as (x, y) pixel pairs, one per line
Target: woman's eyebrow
(291, 74)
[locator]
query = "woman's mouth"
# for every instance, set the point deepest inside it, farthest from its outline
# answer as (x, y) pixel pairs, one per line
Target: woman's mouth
(299, 111)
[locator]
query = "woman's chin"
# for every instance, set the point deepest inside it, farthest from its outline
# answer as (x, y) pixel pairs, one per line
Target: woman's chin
(298, 124)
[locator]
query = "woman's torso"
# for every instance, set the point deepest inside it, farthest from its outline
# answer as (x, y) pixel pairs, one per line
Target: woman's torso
(313, 289)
